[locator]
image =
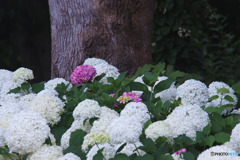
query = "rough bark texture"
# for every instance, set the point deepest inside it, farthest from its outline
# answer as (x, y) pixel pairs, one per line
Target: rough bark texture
(118, 31)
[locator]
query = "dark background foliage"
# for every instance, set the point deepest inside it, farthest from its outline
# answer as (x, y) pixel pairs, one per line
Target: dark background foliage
(207, 43)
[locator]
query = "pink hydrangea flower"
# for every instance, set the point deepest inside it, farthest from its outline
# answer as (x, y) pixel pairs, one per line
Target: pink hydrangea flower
(82, 74)
(127, 96)
(181, 151)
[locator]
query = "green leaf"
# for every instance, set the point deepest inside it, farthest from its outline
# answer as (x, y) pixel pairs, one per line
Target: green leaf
(223, 90)
(145, 157)
(76, 150)
(121, 147)
(209, 141)
(110, 79)
(229, 98)
(207, 130)
(98, 78)
(222, 137)
(99, 155)
(58, 132)
(236, 87)
(120, 78)
(165, 84)
(120, 157)
(165, 157)
(37, 87)
(183, 139)
(15, 90)
(77, 138)
(148, 146)
(147, 124)
(25, 86)
(188, 156)
(25, 157)
(137, 86)
(213, 98)
(147, 78)
(176, 74)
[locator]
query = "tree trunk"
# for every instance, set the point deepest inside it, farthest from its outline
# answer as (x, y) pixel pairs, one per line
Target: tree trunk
(118, 31)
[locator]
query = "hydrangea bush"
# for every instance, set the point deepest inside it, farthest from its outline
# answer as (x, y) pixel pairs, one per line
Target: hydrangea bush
(156, 114)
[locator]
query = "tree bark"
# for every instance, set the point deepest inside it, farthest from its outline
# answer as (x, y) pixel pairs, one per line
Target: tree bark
(118, 31)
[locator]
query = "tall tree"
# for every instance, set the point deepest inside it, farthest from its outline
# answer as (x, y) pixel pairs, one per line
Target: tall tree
(118, 31)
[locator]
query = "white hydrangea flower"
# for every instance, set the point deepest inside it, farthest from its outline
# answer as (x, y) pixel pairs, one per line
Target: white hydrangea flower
(26, 100)
(6, 87)
(218, 153)
(159, 129)
(51, 92)
(46, 152)
(7, 112)
(94, 138)
(26, 132)
(49, 106)
(235, 138)
(94, 61)
(101, 67)
(187, 120)
(108, 151)
(77, 124)
(193, 92)
(168, 94)
(87, 109)
(105, 119)
(52, 84)
(212, 90)
(124, 129)
(5, 76)
(136, 110)
(2, 139)
(108, 69)
(22, 74)
(69, 156)
(130, 149)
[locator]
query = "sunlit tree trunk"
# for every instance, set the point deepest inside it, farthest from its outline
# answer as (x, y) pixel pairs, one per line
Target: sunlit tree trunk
(118, 31)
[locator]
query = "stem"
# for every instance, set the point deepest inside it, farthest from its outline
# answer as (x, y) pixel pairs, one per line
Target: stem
(151, 94)
(137, 149)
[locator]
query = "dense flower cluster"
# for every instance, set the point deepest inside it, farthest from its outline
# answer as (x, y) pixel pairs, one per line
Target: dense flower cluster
(46, 152)
(129, 96)
(5, 76)
(49, 106)
(135, 110)
(224, 150)
(235, 138)
(26, 117)
(2, 139)
(213, 90)
(26, 132)
(193, 92)
(82, 74)
(186, 120)
(94, 138)
(124, 129)
(101, 67)
(69, 156)
(87, 109)
(52, 84)
(22, 74)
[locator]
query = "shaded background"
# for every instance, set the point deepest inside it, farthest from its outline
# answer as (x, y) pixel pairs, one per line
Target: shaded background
(195, 36)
